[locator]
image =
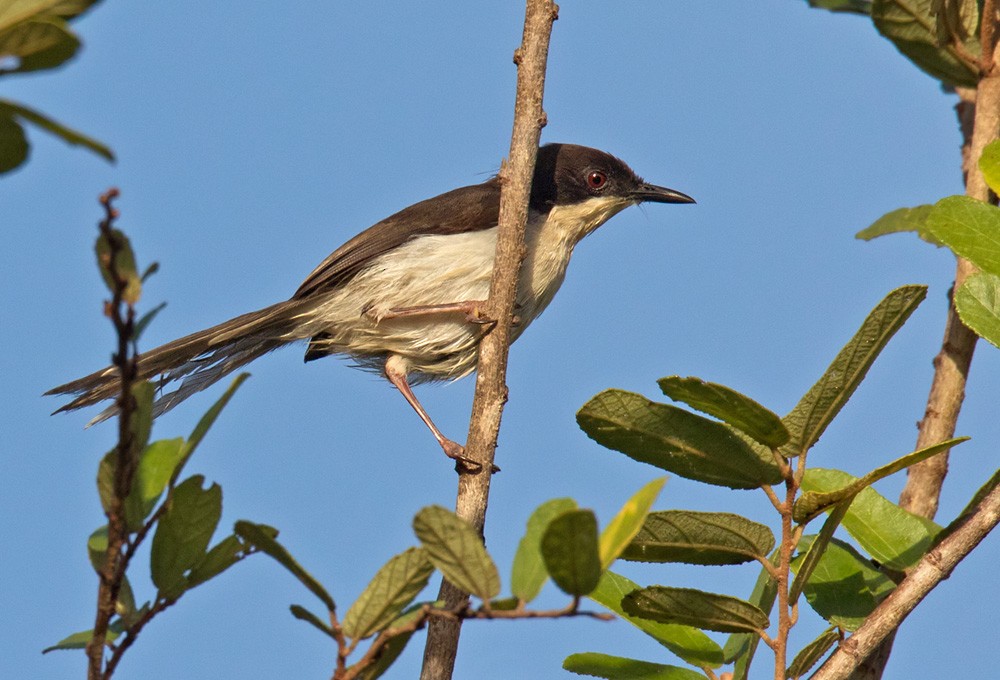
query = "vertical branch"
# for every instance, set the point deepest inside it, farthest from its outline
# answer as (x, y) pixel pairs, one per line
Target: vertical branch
(491, 389)
(113, 570)
(951, 365)
(979, 119)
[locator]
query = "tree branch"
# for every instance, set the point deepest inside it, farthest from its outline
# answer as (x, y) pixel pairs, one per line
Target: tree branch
(491, 388)
(935, 566)
(112, 571)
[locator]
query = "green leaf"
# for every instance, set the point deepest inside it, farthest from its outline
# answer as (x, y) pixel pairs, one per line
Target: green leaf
(741, 647)
(690, 644)
(142, 418)
(620, 668)
(528, 574)
(15, 11)
(396, 643)
(675, 440)
(817, 547)
(844, 588)
(709, 611)
(570, 550)
(699, 538)
(79, 640)
(970, 228)
(821, 404)
(989, 165)
(812, 503)
(97, 548)
(183, 533)
(10, 109)
(148, 317)
(124, 266)
(812, 653)
(206, 422)
(971, 507)
(911, 26)
(106, 480)
(223, 555)
(263, 538)
(303, 614)
(956, 20)
(978, 303)
(457, 551)
(38, 44)
(13, 143)
(627, 523)
(729, 406)
(851, 6)
(894, 537)
(394, 587)
(903, 219)
(156, 465)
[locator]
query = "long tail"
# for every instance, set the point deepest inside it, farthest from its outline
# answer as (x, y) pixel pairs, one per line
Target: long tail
(197, 360)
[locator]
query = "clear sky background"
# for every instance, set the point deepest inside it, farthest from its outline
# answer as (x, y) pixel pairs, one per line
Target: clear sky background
(254, 138)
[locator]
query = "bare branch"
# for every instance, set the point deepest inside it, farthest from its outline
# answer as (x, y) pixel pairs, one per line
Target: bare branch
(491, 388)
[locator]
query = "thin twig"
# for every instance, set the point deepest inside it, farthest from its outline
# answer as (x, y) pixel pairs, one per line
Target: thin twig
(491, 389)
(113, 570)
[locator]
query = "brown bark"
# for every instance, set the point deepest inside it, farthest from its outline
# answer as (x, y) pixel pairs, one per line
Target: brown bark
(491, 388)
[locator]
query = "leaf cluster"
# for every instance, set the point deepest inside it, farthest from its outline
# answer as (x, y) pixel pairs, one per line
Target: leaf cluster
(35, 35)
(561, 542)
(940, 37)
(971, 229)
(740, 444)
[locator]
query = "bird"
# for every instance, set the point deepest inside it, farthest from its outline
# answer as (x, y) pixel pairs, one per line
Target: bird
(403, 297)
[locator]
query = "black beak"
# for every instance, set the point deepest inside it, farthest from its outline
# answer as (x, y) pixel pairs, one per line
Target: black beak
(655, 194)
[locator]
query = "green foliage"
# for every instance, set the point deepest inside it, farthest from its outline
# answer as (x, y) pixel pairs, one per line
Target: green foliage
(729, 406)
(456, 550)
(812, 503)
(394, 587)
(740, 648)
(35, 36)
(709, 611)
(528, 573)
(628, 522)
(969, 227)
(820, 405)
(946, 52)
(978, 304)
(687, 642)
(570, 550)
(183, 534)
(675, 440)
(700, 538)
(901, 220)
(812, 653)
(750, 448)
(849, 6)
(894, 537)
(620, 668)
(844, 587)
(264, 538)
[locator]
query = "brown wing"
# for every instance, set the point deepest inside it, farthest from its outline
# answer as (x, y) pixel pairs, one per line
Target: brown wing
(472, 208)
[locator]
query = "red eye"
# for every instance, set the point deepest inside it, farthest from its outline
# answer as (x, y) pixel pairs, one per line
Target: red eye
(596, 180)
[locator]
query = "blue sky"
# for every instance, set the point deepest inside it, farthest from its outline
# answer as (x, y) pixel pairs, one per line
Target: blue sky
(253, 139)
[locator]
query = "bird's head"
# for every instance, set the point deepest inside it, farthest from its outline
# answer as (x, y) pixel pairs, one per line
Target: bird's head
(591, 185)
(566, 174)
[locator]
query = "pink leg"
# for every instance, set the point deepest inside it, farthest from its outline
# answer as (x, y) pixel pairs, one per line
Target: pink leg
(395, 371)
(470, 308)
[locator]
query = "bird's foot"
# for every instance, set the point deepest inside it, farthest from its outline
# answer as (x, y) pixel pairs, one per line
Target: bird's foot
(456, 452)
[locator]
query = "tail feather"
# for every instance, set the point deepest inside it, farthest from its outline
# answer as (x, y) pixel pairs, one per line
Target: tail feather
(197, 360)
